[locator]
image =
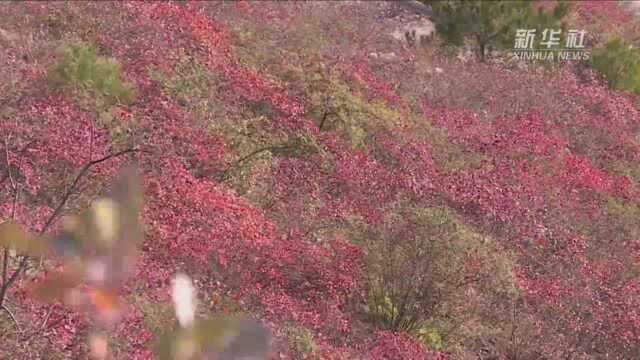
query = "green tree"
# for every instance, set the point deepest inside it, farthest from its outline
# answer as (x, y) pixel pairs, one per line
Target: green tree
(490, 23)
(619, 62)
(81, 68)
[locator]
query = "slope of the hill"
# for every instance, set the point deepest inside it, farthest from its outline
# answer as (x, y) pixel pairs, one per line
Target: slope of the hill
(339, 183)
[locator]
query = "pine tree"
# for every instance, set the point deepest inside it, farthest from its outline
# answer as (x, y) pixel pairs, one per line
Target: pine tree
(490, 23)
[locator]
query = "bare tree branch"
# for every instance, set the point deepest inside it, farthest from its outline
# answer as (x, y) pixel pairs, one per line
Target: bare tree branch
(23, 263)
(42, 326)
(75, 182)
(5, 308)
(20, 152)
(6, 151)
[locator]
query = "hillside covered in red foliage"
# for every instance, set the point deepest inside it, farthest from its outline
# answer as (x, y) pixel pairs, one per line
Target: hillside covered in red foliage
(409, 206)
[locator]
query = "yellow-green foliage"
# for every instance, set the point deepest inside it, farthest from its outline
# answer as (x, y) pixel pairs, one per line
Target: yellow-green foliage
(301, 342)
(380, 306)
(626, 218)
(430, 336)
(253, 144)
(448, 156)
(334, 106)
(625, 168)
(120, 131)
(81, 68)
(191, 84)
(222, 303)
(157, 316)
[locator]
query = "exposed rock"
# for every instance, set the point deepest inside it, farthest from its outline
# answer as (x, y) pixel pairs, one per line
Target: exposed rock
(416, 7)
(466, 52)
(415, 32)
(390, 56)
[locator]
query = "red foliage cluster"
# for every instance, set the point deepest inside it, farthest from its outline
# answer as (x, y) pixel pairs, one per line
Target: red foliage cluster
(580, 173)
(243, 82)
(391, 345)
(49, 137)
(532, 173)
(377, 88)
(613, 116)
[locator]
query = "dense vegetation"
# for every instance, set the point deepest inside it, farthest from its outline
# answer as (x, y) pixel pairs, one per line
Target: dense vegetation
(408, 206)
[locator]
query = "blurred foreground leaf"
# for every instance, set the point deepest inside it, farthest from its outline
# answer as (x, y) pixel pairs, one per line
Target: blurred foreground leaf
(217, 338)
(98, 248)
(56, 286)
(14, 237)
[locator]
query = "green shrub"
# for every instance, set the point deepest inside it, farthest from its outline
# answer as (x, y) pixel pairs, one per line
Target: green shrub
(411, 258)
(619, 63)
(81, 68)
(431, 275)
(380, 306)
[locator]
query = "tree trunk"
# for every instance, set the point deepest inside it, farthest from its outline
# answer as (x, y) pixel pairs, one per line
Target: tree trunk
(482, 51)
